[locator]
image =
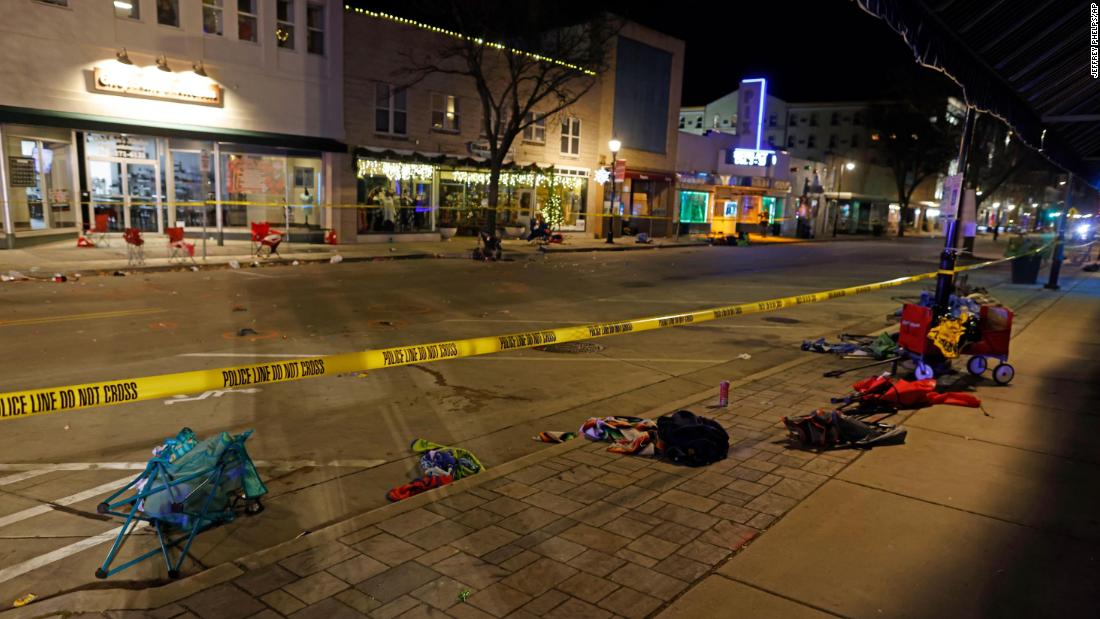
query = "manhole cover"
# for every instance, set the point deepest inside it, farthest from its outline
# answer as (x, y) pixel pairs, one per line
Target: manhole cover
(572, 348)
(782, 320)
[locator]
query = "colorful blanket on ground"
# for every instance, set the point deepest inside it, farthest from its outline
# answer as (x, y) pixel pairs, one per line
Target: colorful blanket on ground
(906, 394)
(436, 459)
(628, 435)
(439, 466)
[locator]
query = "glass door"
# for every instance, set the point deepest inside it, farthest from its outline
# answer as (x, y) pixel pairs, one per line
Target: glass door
(107, 192)
(143, 198)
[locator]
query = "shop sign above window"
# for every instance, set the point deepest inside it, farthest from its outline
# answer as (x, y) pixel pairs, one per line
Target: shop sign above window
(154, 83)
(750, 156)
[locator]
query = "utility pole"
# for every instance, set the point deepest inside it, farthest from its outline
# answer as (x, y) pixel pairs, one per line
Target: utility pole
(945, 279)
(1060, 244)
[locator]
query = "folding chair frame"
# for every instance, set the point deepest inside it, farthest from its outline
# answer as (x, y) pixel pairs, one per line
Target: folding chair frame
(200, 520)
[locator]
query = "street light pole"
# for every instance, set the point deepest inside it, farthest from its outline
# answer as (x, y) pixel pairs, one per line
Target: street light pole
(1060, 244)
(613, 145)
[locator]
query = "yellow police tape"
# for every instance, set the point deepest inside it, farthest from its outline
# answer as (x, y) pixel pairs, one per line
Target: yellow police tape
(89, 395)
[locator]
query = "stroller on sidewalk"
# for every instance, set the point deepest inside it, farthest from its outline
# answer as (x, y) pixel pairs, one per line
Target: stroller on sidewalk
(188, 486)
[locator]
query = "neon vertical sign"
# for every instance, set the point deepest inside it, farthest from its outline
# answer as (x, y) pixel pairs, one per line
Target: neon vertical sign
(760, 112)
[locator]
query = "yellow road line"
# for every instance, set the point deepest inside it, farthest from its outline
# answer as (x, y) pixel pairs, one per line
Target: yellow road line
(71, 317)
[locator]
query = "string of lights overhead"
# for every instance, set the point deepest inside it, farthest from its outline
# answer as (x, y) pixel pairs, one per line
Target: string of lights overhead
(459, 35)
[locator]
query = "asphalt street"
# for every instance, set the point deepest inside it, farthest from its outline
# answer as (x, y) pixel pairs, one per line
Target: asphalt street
(330, 448)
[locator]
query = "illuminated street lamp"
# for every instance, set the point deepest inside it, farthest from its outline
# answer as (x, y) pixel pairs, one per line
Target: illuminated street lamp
(613, 145)
(840, 180)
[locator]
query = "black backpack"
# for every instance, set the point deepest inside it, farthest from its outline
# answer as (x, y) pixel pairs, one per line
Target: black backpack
(692, 440)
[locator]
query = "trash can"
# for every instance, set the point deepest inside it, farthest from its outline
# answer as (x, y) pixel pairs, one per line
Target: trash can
(1025, 270)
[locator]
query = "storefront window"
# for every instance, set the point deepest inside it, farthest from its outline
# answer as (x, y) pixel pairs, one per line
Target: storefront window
(255, 189)
(398, 196)
(315, 28)
(40, 183)
(193, 185)
(693, 207)
(284, 23)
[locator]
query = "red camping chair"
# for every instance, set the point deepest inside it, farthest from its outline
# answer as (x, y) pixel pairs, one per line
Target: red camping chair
(264, 236)
(177, 246)
(97, 235)
(135, 246)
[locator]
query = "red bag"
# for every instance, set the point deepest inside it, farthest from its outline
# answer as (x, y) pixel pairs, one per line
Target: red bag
(910, 394)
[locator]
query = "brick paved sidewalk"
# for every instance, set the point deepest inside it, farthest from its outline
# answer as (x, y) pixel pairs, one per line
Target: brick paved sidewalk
(573, 531)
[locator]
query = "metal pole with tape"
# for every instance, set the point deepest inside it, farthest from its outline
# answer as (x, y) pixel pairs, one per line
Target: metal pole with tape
(1060, 243)
(945, 279)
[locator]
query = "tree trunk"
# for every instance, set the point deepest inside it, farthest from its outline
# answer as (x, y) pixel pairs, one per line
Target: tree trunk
(903, 216)
(494, 197)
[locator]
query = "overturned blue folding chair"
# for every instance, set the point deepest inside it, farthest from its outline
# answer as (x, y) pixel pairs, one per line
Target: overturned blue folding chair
(187, 487)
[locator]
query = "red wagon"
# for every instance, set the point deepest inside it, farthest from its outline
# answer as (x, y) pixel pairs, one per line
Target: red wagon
(994, 325)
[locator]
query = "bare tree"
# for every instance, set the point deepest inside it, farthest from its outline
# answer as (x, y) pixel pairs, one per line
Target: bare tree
(525, 64)
(916, 140)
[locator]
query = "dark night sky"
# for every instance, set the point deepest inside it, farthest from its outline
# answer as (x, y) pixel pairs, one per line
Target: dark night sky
(810, 50)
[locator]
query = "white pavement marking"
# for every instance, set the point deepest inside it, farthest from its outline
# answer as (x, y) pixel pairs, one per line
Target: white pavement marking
(18, 477)
(244, 354)
(216, 393)
(241, 271)
(42, 468)
(14, 571)
(19, 569)
(46, 508)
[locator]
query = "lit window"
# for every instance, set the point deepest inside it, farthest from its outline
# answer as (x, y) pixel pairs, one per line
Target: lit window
(874, 137)
(389, 110)
(315, 28)
(168, 12)
(246, 20)
(212, 17)
(571, 136)
(536, 130)
(444, 112)
(128, 9)
(284, 23)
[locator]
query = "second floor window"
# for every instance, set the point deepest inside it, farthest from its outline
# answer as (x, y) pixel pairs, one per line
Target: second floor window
(811, 142)
(168, 12)
(832, 141)
(834, 120)
(212, 17)
(389, 110)
(857, 118)
(794, 120)
(571, 136)
(284, 23)
(772, 120)
(790, 141)
(246, 20)
(813, 119)
(536, 131)
(444, 112)
(129, 9)
(315, 28)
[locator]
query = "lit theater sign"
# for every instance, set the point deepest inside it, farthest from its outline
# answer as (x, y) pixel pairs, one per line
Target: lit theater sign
(750, 157)
(152, 83)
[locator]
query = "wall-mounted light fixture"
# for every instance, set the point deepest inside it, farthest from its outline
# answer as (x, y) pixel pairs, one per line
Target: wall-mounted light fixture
(199, 69)
(162, 64)
(123, 57)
